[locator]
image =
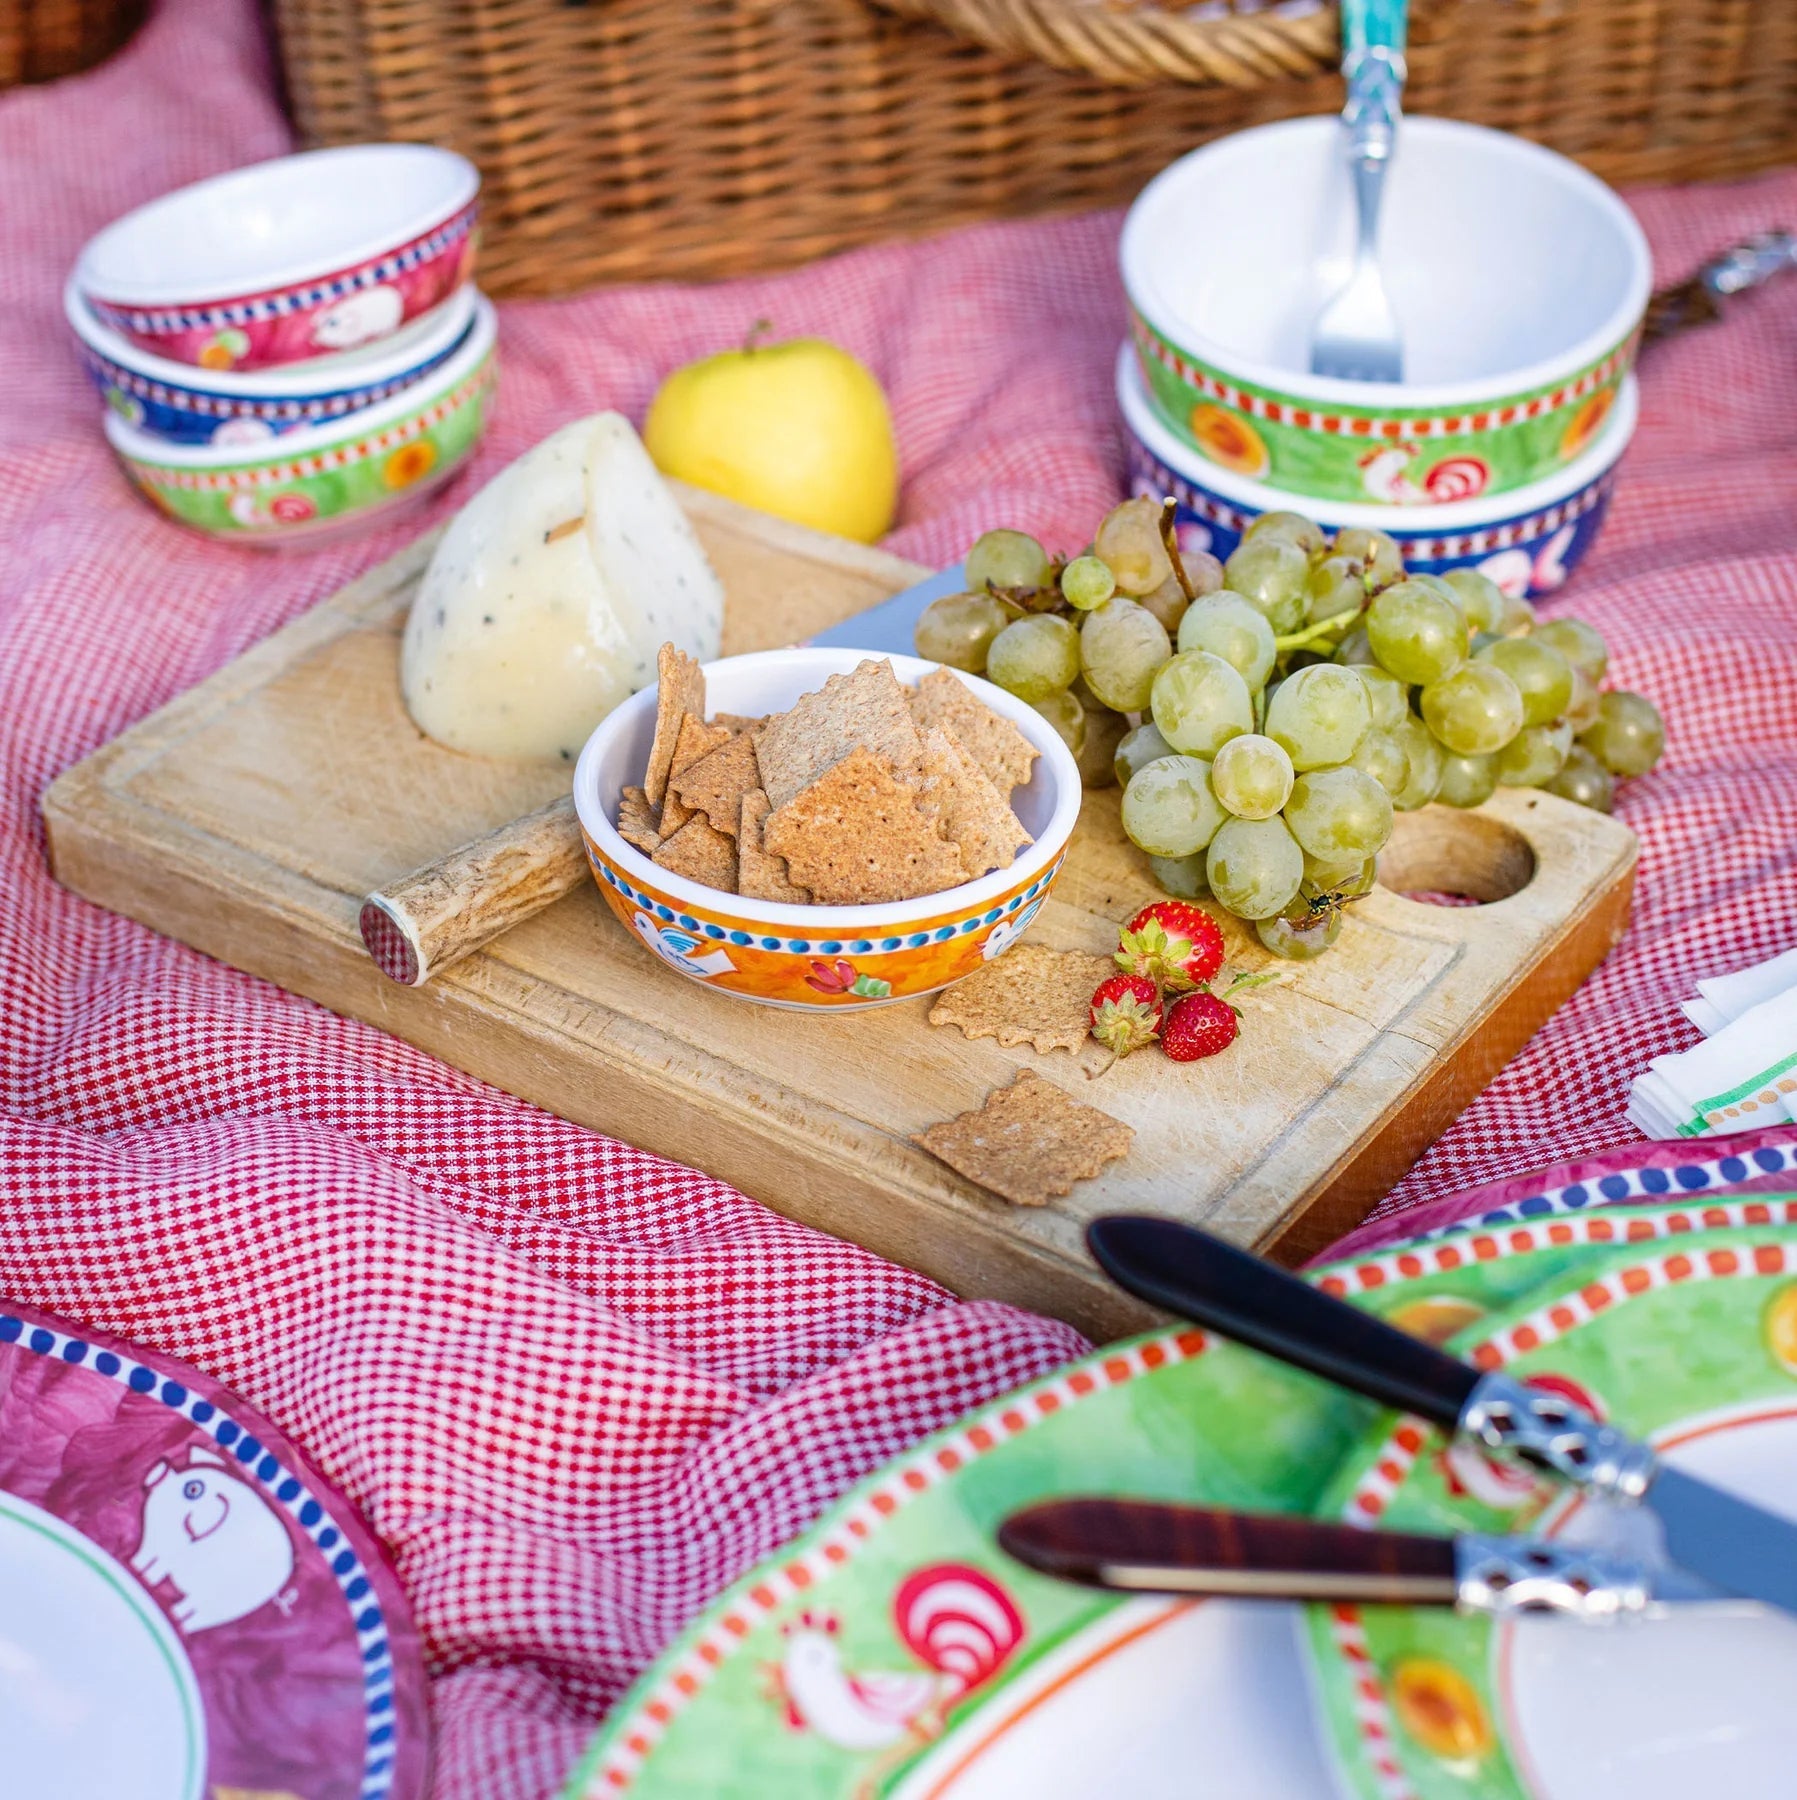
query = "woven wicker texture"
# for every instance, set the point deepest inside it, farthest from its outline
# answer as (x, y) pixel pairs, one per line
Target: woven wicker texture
(43, 39)
(631, 139)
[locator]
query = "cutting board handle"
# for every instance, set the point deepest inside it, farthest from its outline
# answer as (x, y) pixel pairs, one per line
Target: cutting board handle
(435, 916)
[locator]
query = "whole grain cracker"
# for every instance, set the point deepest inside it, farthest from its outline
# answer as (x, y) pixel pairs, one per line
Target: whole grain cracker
(680, 690)
(738, 721)
(863, 710)
(1029, 1142)
(999, 748)
(1030, 995)
(856, 835)
(700, 854)
(716, 783)
(636, 821)
(760, 875)
(975, 815)
(696, 741)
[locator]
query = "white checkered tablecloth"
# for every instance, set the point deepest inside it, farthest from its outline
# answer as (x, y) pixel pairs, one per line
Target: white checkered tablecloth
(576, 1389)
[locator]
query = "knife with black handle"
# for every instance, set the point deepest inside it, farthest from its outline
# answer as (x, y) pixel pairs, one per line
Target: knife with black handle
(1149, 1547)
(1729, 1543)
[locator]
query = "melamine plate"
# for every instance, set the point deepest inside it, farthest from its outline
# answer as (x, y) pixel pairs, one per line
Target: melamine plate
(187, 1611)
(892, 1650)
(1691, 1342)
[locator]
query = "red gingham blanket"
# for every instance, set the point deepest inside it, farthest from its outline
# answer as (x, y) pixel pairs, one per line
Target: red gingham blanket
(575, 1388)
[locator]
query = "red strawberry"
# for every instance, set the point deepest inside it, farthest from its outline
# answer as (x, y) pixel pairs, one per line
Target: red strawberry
(1126, 1013)
(1199, 1025)
(1172, 942)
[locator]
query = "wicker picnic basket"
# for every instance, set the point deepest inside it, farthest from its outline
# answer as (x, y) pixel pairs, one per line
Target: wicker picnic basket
(42, 39)
(636, 139)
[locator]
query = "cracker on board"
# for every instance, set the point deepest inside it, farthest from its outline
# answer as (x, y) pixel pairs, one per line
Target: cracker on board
(1030, 995)
(716, 783)
(863, 710)
(700, 854)
(993, 742)
(856, 835)
(975, 815)
(760, 875)
(1029, 1141)
(636, 821)
(680, 690)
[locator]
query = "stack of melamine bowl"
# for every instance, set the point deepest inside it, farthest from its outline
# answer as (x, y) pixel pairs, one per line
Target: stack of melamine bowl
(1519, 282)
(293, 349)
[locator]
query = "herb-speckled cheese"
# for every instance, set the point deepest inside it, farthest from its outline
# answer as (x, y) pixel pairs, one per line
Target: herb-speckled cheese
(524, 635)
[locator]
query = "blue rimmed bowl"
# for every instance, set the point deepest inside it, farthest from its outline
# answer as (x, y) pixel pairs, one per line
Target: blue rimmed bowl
(1528, 541)
(178, 403)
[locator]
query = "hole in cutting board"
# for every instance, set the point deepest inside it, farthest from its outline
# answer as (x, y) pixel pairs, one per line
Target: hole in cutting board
(1444, 857)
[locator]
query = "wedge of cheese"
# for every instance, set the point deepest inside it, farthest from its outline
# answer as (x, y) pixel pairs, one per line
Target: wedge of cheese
(550, 594)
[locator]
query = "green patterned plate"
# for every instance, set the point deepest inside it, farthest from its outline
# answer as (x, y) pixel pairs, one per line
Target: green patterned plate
(1690, 1341)
(892, 1650)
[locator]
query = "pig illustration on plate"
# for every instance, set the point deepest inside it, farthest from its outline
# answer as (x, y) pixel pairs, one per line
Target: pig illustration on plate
(224, 1548)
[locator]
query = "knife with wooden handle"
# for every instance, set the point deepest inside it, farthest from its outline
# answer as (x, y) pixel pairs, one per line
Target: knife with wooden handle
(1148, 1547)
(1730, 1543)
(416, 927)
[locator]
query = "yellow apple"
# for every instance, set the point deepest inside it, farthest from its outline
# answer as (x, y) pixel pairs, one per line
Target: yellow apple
(799, 429)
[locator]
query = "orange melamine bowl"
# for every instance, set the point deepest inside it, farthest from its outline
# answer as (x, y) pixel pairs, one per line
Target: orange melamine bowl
(818, 958)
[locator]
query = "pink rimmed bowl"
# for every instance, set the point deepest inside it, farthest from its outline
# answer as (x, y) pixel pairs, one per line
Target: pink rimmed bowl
(300, 257)
(818, 958)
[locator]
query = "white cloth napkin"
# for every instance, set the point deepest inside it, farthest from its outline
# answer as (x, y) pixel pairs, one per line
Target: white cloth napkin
(1724, 998)
(1744, 1073)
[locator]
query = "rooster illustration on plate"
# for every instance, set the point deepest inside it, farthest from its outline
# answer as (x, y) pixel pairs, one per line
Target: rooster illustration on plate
(957, 1621)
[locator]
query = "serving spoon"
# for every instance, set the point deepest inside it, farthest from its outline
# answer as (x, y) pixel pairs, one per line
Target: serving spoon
(1356, 335)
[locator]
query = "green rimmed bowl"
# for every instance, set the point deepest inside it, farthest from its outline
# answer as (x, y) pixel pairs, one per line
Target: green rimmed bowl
(1519, 281)
(327, 481)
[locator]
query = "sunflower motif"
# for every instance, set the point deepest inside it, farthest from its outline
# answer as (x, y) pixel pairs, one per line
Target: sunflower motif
(1586, 422)
(409, 463)
(1441, 1709)
(224, 349)
(1781, 1329)
(1436, 1318)
(1227, 438)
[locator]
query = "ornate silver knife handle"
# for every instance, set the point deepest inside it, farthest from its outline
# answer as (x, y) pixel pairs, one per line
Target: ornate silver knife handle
(1699, 300)
(1505, 1575)
(1548, 1431)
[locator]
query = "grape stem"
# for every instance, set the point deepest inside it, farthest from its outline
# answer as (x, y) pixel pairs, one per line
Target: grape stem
(1170, 539)
(1309, 635)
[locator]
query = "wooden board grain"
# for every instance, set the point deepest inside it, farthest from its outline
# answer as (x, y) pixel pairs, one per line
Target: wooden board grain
(251, 815)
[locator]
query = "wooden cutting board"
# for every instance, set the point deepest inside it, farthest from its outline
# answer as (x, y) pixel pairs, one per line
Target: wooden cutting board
(250, 816)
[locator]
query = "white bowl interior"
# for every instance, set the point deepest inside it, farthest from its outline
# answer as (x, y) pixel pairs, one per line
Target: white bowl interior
(275, 223)
(1150, 430)
(415, 342)
(1501, 258)
(145, 447)
(771, 681)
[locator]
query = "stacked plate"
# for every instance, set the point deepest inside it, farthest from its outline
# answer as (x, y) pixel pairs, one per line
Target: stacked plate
(292, 349)
(1519, 282)
(894, 1649)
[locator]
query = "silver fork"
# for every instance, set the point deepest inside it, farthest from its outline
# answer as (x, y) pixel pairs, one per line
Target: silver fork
(1356, 335)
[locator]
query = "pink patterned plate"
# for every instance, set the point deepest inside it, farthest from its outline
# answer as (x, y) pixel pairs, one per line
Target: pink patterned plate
(1693, 1170)
(187, 1611)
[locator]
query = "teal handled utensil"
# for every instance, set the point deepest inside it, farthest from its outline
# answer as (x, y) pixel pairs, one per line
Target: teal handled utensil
(1356, 335)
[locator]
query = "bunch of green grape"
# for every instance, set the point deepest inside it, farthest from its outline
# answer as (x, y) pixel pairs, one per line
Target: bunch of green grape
(1268, 716)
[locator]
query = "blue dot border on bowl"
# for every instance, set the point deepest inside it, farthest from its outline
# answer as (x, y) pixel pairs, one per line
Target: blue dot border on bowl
(286, 1491)
(885, 945)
